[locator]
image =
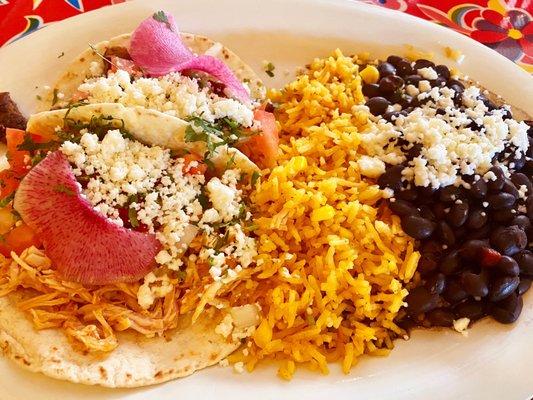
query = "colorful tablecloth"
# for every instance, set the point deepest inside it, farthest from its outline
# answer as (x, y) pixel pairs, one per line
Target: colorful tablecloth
(504, 25)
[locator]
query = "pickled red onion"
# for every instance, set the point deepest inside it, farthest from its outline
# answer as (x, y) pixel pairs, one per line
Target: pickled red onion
(157, 48)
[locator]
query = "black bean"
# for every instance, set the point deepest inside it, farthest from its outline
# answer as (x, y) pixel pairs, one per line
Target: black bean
(472, 248)
(440, 317)
(481, 233)
(449, 194)
(391, 116)
(509, 187)
(390, 84)
(402, 208)
(439, 209)
(425, 193)
(445, 233)
(500, 200)
(476, 219)
(443, 71)
(436, 283)
(457, 83)
(405, 102)
(474, 284)
(371, 90)
(502, 287)
(439, 82)
(508, 266)
(529, 206)
(426, 264)
(520, 179)
(524, 286)
(394, 60)
(478, 189)
(509, 240)
(496, 184)
(450, 263)
(433, 247)
(413, 80)
(392, 178)
(522, 221)
(407, 195)
(508, 310)
(418, 227)
(458, 214)
(403, 68)
(528, 167)
(525, 262)
(518, 162)
(426, 212)
(420, 300)
(386, 69)
(377, 105)
(423, 63)
(470, 309)
(454, 292)
(504, 215)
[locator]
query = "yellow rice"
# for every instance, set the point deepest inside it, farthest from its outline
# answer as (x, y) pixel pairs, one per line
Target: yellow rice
(333, 262)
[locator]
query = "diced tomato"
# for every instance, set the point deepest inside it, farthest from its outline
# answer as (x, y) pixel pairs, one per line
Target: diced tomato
(21, 237)
(79, 95)
(124, 64)
(18, 159)
(200, 168)
(263, 148)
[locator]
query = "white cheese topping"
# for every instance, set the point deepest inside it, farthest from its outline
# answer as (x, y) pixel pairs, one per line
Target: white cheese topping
(173, 94)
(453, 142)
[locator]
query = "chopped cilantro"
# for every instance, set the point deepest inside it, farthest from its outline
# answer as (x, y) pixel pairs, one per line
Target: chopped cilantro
(38, 97)
(29, 144)
(63, 189)
(54, 98)
(269, 69)
(255, 176)
(132, 216)
(231, 162)
(203, 199)
(6, 200)
(98, 125)
(162, 17)
(61, 55)
(221, 241)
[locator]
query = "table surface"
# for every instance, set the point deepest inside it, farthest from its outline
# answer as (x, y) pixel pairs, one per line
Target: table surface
(503, 25)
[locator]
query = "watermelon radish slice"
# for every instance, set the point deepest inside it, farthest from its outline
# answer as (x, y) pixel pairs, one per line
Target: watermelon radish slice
(83, 244)
(157, 48)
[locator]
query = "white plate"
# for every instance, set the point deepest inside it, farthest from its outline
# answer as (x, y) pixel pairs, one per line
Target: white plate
(493, 362)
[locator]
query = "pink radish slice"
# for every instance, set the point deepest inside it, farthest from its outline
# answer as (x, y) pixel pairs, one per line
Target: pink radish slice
(217, 69)
(156, 45)
(84, 245)
(157, 48)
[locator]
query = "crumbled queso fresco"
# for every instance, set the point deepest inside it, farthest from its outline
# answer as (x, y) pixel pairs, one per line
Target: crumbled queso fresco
(118, 173)
(447, 141)
(173, 94)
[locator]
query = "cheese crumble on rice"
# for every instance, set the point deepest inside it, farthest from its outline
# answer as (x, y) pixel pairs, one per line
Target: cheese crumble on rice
(332, 260)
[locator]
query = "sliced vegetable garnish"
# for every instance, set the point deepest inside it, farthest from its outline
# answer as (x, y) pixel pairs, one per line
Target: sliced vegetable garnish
(156, 47)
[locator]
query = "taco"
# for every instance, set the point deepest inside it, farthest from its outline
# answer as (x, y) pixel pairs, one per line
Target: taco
(185, 76)
(124, 236)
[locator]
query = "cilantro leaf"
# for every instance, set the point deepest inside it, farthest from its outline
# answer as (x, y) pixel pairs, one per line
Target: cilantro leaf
(29, 144)
(255, 176)
(6, 200)
(54, 98)
(132, 216)
(269, 69)
(162, 17)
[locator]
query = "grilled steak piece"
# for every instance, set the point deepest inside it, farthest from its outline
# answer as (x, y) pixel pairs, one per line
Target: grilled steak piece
(10, 116)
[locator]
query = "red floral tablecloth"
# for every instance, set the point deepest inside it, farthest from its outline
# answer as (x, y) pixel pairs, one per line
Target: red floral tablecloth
(504, 25)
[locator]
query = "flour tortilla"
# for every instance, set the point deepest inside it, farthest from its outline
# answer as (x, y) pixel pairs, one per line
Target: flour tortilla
(137, 361)
(148, 126)
(79, 70)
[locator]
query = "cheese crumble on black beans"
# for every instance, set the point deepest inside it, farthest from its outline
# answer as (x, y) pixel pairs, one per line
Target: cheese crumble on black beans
(459, 169)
